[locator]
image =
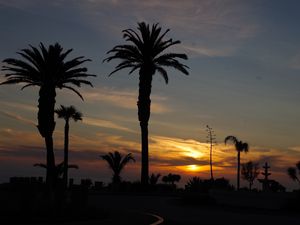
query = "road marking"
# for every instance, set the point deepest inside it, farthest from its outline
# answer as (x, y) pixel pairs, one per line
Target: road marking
(160, 220)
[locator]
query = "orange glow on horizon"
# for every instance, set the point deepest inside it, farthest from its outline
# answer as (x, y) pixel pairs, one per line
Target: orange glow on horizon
(193, 167)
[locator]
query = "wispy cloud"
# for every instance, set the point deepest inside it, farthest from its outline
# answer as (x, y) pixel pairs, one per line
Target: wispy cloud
(125, 99)
(18, 117)
(19, 106)
(295, 148)
(209, 26)
(104, 123)
(194, 50)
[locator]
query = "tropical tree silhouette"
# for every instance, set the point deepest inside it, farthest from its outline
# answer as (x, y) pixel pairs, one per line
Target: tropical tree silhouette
(48, 69)
(67, 113)
(116, 163)
(292, 172)
(153, 179)
(145, 53)
(250, 171)
(171, 178)
(239, 147)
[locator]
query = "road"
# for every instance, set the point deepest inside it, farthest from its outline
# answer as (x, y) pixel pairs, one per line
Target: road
(176, 213)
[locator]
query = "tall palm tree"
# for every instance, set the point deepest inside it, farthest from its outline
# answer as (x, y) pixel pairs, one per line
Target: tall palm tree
(116, 163)
(67, 113)
(48, 69)
(239, 147)
(145, 54)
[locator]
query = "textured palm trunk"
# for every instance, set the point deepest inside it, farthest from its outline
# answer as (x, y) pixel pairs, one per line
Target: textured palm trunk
(66, 154)
(238, 170)
(144, 102)
(46, 125)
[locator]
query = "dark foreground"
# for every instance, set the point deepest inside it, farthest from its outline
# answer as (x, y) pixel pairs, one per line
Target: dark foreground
(176, 209)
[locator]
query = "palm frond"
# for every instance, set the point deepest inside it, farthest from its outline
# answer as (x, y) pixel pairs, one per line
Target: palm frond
(231, 138)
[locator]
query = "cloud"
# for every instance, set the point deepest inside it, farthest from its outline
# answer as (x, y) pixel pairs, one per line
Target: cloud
(18, 117)
(125, 99)
(209, 27)
(194, 50)
(105, 124)
(295, 148)
(19, 106)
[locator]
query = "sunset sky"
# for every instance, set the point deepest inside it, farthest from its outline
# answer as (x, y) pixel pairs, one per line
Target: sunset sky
(244, 59)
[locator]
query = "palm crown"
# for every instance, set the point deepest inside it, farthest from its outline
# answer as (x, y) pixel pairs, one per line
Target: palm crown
(117, 163)
(239, 145)
(68, 113)
(46, 67)
(146, 50)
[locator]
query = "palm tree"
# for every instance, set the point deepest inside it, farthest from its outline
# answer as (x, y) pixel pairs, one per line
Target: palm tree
(145, 54)
(239, 147)
(153, 179)
(116, 163)
(67, 113)
(47, 69)
(171, 178)
(292, 172)
(250, 171)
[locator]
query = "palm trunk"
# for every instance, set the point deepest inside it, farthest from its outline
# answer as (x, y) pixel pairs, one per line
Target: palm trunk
(46, 125)
(238, 170)
(66, 155)
(144, 102)
(145, 153)
(50, 173)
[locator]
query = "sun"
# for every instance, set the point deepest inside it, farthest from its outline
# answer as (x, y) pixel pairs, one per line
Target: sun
(193, 167)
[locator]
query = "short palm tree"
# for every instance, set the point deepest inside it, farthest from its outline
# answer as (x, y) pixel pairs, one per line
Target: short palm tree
(67, 113)
(48, 69)
(171, 178)
(292, 172)
(145, 54)
(239, 147)
(116, 163)
(153, 179)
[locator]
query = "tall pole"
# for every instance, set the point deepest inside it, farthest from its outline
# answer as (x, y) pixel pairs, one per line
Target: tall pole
(211, 139)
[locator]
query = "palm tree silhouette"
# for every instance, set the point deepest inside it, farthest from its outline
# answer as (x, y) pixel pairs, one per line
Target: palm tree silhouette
(47, 69)
(116, 163)
(153, 179)
(145, 53)
(67, 113)
(239, 147)
(292, 172)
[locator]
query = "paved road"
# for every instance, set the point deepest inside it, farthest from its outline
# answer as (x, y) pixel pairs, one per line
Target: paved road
(175, 213)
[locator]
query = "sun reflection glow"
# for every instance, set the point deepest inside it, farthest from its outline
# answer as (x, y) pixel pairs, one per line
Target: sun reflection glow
(192, 167)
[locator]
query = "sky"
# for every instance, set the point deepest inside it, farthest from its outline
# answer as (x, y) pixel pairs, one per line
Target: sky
(244, 60)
